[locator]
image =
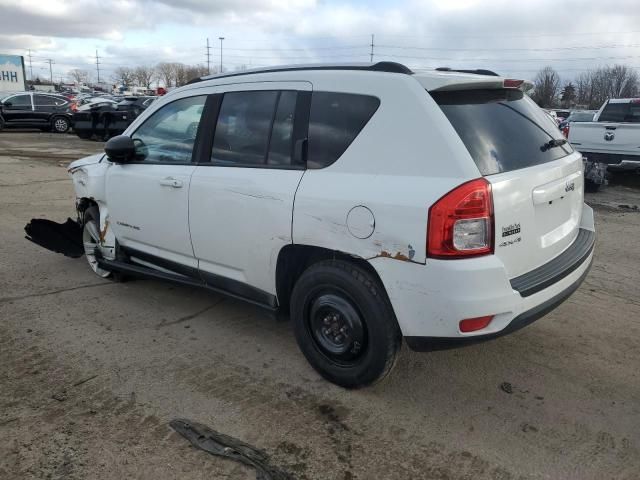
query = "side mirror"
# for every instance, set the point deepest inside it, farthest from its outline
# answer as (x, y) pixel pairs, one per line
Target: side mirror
(120, 149)
(7, 104)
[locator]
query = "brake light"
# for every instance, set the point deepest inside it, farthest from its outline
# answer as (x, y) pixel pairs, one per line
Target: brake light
(461, 223)
(565, 131)
(473, 324)
(512, 83)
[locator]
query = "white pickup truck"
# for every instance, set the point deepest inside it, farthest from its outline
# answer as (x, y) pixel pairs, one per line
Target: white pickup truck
(613, 138)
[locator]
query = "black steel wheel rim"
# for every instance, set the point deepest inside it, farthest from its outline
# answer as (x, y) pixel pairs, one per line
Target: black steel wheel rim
(336, 328)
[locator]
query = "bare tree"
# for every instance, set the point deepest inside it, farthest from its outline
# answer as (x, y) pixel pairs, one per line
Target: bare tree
(79, 76)
(143, 75)
(546, 86)
(123, 75)
(165, 73)
(623, 81)
(196, 71)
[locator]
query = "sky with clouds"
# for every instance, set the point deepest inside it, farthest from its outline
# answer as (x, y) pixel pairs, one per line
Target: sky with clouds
(512, 38)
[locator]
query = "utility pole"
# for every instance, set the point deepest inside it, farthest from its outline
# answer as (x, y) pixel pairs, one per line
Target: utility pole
(372, 37)
(208, 54)
(98, 65)
(30, 65)
(221, 39)
(50, 62)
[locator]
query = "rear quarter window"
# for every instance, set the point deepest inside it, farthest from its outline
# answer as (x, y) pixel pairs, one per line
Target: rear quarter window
(503, 130)
(335, 120)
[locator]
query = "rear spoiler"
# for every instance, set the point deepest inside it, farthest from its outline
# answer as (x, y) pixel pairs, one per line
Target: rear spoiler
(483, 83)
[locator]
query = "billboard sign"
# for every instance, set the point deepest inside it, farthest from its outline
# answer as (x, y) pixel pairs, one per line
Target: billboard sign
(12, 77)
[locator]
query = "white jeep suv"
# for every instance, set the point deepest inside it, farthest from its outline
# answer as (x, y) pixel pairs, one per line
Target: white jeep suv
(368, 202)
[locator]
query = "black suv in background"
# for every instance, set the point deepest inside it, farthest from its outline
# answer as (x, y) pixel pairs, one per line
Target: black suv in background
(105, 120)
(35, 110)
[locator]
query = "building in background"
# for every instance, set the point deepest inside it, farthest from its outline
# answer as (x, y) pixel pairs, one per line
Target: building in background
(12, 76)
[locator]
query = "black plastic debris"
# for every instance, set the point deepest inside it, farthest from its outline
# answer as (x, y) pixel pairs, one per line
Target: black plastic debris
(221, 445)
(65, 238)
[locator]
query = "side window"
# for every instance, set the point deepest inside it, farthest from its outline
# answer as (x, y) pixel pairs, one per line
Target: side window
(169, 134)
(335, 121)
(281, 144)
(243, 128)
(614, 112)
(20, 101)
(44, 101)
(634, 113)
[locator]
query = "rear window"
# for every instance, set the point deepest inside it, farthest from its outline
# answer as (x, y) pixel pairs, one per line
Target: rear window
(620, 112)
(503, 130)
(335, 121)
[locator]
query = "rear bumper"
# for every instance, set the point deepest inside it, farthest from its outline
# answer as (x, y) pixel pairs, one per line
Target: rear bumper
(430, 300)
(428, 344)
(614, 161)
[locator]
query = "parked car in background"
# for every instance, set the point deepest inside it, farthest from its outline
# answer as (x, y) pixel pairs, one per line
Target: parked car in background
(576, 116)
(613, 137)
(35, 110)
(103, 117)
(561, 114)
(285, 187)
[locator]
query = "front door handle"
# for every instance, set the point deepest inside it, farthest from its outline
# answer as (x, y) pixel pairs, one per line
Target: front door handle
(171, 182)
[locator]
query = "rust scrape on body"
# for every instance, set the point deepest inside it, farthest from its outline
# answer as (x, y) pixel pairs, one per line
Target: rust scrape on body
(103, 232)
(397, 256)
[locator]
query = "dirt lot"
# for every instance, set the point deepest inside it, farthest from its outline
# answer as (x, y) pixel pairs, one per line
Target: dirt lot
(91, 371)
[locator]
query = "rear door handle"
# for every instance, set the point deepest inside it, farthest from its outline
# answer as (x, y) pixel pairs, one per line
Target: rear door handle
(171, 182)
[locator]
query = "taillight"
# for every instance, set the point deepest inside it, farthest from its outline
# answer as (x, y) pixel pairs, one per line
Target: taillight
(565, 131)
(461, 223)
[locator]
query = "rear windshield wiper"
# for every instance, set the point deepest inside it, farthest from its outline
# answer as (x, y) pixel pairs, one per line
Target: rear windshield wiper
(556, 142)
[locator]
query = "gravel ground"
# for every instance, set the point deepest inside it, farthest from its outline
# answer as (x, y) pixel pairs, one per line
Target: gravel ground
(91, 372)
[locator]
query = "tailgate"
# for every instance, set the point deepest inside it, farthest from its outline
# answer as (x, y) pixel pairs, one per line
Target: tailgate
(616, 138)
(536, 177)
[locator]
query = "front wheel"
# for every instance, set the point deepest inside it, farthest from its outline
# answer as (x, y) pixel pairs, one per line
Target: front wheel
(344, 323)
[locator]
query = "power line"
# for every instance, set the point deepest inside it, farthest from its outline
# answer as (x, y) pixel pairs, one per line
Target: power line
(98, 65)
(30, 65)
(50, 62)
(551, 49)
(372, 37)
(208, 55)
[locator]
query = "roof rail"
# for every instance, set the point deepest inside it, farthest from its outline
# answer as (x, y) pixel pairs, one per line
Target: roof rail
(390, 67)
(478, 71)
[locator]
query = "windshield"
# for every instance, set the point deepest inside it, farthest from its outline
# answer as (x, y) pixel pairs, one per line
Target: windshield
(503, 130)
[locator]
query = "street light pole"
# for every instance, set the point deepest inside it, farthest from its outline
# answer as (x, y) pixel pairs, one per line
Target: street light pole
(221, 39)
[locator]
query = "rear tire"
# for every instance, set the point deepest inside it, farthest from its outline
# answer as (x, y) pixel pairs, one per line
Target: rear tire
(60, 124)
(344, 323)
(591, 187)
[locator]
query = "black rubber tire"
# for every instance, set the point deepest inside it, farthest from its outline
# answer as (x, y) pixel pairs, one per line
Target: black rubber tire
(1, 124)
(56, 122)
(362, 290)
(591, 187)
